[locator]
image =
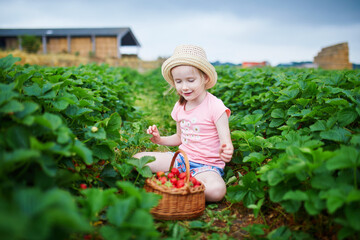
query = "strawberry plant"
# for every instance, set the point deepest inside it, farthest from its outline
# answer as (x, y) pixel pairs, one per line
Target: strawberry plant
(298, 130)
(67, 138)
(60, 136)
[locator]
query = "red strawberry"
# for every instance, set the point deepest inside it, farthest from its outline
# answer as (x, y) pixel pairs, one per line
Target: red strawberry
(175, 171)
(182, 175)
(170, 175)
(193, 180)
(163, 180)
(180, 184)
(83, 186)
(173, 180)
(160, 174)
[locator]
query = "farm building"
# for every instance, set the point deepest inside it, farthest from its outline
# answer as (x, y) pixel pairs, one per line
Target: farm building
(98, 42)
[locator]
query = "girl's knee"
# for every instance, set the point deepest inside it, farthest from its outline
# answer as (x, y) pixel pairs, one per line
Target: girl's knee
(215, 192)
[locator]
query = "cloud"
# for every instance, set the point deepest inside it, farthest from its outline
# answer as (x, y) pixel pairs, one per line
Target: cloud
(233, 31)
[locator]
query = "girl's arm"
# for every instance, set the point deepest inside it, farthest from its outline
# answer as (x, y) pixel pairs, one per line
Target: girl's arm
(173, 140)
(226, 146)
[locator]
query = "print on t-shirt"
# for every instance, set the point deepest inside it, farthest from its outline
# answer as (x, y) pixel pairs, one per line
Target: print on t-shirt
(189, 130)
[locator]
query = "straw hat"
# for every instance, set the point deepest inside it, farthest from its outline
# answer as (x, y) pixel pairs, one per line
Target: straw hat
(189, 55)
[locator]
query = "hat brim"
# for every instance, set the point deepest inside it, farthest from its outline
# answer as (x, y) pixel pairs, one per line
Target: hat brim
(197, 62)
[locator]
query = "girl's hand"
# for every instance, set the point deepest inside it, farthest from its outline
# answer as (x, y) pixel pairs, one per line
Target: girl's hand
(226, 152)
(155, 134)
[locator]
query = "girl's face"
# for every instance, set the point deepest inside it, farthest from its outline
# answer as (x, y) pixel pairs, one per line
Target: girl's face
(190, 83)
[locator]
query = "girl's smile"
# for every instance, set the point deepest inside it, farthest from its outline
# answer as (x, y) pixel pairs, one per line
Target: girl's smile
(190, 83)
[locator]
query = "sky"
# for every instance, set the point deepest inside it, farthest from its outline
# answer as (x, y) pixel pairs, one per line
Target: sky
(277, 31)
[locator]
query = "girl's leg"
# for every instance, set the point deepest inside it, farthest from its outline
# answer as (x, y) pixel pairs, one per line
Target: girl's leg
(215, 187)
(162, 162)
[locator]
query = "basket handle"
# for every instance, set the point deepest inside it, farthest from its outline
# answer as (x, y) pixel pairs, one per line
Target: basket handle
(187, 164)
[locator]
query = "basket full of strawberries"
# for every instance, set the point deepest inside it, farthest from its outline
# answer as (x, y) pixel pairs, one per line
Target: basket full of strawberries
(183, 196)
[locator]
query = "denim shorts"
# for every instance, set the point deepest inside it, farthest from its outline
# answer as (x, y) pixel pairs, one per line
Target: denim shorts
(195, 168)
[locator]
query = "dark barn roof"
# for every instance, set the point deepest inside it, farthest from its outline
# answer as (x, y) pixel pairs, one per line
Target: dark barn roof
(127, 37)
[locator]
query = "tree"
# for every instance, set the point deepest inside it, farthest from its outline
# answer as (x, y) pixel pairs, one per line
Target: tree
(30, 44)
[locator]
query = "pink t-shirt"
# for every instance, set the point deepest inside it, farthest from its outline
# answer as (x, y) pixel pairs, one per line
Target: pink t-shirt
(199, 136)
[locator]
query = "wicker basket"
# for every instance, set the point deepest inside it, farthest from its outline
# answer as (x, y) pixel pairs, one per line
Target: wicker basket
(177, 203)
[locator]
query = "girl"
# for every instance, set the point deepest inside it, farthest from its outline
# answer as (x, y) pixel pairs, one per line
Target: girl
(202, 130)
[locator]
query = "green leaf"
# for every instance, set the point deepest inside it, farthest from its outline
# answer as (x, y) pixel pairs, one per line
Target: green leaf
(198, 224)
(276, 122)
(346, 116)
(277, 192)
(235, 194)
(17, 137)
(314, 205)
(99, 134)
(75, 111)
(114, 123)
(12, 106)
(252, 119)
(6, 96)
(355, 140)
(29, 108)
(60, 104)
(124, 169)
(241, 135)
(335, 198)
(48, 165)
(303, 102)
(256, 207)
(336, 134)
(323, 181)
(280, 233)
(337, 102)
(255, 229)
(7, 62)
(121, 210)
(110, 233)
(130, 189)
(352, 213)
(346, 157)
(20, 155)
(49, 120)
(278, 113)
(103, 152)
(85, 153)
(96, 200)
(36, 144)
(140, 163)
(354, 196)
(320, 125)
(291, 206)
(275, 176)
(150, 200)
(63, 135)
(296, 195)
(141, 220)
(33, 90)
(108, 172)
(145, 171)
(254, 157)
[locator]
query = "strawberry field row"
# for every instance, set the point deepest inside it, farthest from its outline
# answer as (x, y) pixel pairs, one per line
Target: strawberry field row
(67, 136)
(297, 135)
